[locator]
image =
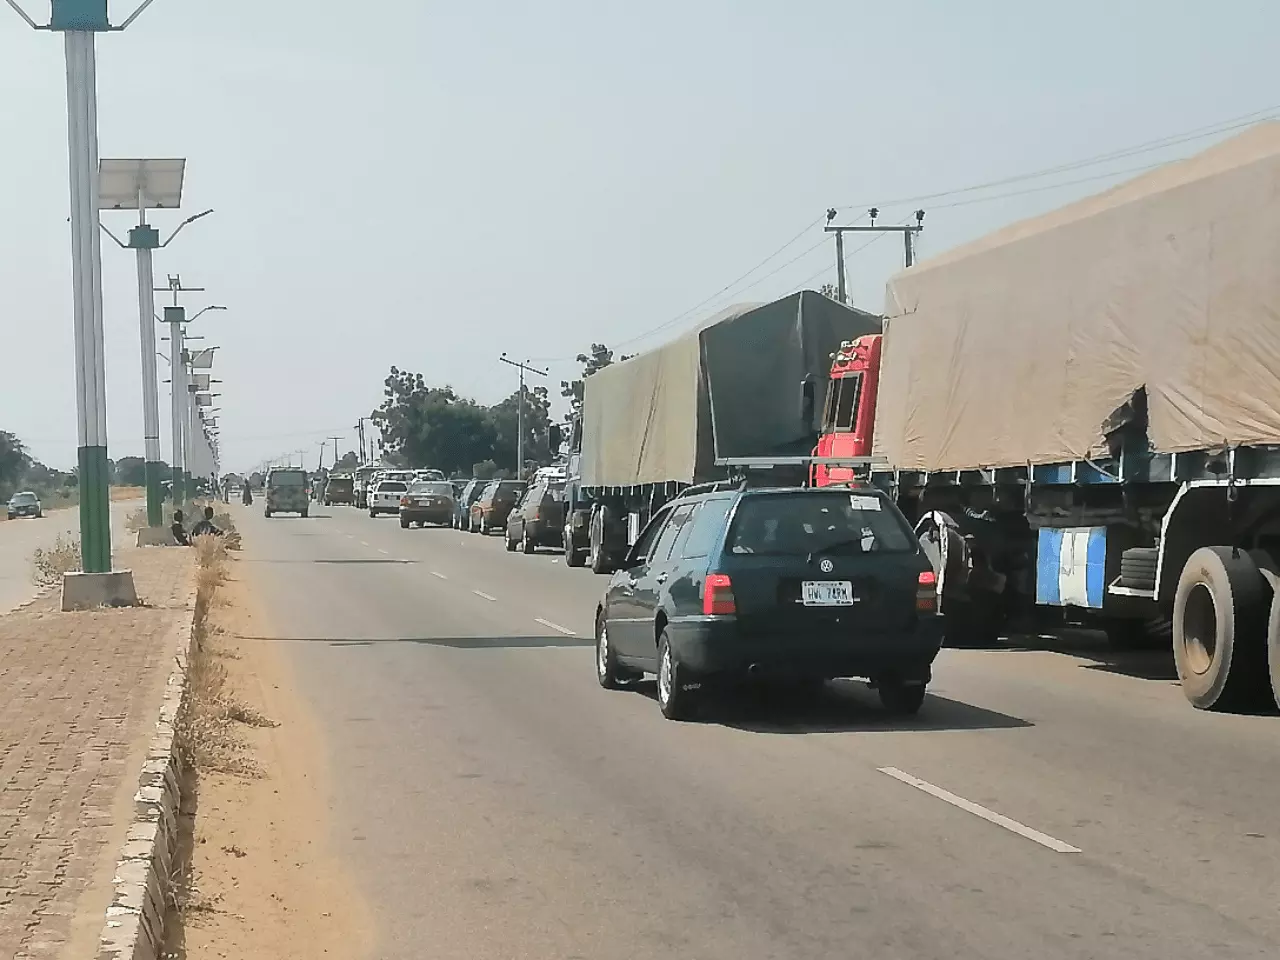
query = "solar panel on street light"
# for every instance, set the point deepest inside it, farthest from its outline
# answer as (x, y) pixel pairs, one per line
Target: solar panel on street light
(158, 181)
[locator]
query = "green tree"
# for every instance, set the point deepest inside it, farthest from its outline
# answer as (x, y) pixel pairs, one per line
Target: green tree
(14, 461)
(131, 472)
(599, 358)
(424, 426)
(348, 461)
(504, 418)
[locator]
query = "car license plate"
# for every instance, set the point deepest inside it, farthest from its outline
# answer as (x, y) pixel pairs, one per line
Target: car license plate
(826, 593)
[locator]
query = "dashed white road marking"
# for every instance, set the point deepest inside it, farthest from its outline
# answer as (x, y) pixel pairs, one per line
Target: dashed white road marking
(387, 552)
(555, 626)
(439, 575)
(484, 596)
(363, 543)
(978, 810)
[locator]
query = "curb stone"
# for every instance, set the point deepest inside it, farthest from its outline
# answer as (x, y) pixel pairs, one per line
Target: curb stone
(143, 881)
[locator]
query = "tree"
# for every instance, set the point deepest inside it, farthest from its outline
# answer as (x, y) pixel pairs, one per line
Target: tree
(828, 290)
(599, 358)
(537, 422)
(348, 461)
(131, 472)
(14, 460)
(432, 426)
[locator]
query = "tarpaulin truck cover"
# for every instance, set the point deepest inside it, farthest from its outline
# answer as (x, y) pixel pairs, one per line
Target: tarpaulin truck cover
(731, 388)
(1017, 348)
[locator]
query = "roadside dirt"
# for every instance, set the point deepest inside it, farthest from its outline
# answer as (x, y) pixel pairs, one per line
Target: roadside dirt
(264, 885)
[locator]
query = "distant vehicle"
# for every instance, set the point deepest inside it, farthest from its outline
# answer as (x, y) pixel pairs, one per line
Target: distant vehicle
(341, 488)
(25, 504)
(427, 501)
(794, 584)
(469, 494)
(427, 474)
(538, 518)
(494, 505)
(384, 496)
(286, 490)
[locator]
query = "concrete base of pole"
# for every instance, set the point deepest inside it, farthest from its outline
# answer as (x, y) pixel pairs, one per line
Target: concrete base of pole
(156, 537)
(89, 591)
(95, 510)
(155, 494)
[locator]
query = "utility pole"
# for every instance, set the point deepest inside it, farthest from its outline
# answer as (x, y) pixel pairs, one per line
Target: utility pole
(522, 367)
(336, 441)
(907, 230)
(179, 388)
(360, 438)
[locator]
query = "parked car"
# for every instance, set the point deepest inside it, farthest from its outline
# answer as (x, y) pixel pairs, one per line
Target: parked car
(538, 519)
(427, 501)
(286, 490)
(25, 504)
(794, 584)
(494, 505)
(462, 505)
(384, 496)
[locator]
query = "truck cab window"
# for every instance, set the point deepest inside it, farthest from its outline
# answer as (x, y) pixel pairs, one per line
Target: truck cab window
(847, 402)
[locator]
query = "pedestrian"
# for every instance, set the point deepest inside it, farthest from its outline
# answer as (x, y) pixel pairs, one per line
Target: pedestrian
(178, 531)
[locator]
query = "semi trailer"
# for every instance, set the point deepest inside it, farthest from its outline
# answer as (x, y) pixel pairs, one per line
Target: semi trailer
(1081, 413)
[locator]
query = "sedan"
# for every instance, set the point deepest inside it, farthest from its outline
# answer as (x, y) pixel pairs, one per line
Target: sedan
(384, 497)
(25, 504)
(427, 502)
(794, 585)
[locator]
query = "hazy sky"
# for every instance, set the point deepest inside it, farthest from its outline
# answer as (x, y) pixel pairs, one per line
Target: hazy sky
(429, 184)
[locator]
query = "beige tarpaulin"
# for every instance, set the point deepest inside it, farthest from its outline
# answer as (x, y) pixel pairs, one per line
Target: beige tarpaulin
(1018, 347)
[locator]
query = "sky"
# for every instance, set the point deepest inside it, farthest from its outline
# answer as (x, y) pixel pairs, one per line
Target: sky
(429, 185)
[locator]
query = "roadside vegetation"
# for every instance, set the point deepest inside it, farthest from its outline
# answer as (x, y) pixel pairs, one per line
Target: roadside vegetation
(48, 564)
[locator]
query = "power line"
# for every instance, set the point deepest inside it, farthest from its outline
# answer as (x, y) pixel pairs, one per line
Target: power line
(1222, 126)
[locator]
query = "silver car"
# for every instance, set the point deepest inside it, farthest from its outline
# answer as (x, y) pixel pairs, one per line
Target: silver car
(25, 504)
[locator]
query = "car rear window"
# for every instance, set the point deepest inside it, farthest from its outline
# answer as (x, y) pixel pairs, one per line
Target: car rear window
(391, 486)
(801, 523)
(432, 488)
(294, 478)
(24, 499)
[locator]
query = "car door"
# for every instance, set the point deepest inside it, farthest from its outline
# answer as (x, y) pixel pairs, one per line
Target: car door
(651, 586)
(629, 629)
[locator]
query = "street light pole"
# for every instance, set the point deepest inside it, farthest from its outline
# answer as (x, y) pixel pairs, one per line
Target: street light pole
(79, 21)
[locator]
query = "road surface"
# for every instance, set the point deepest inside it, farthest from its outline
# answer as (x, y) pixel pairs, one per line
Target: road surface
(494, 802)
(20, 538)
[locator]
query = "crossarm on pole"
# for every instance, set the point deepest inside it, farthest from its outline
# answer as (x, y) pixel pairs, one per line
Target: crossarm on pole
(132, 17)
(23, 14)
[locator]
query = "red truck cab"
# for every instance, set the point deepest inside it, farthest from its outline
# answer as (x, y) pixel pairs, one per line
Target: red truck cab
(849, 416)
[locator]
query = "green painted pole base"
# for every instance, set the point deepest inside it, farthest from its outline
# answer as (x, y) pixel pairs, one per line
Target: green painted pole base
(155, 494)
(179, 490)
(95, 510)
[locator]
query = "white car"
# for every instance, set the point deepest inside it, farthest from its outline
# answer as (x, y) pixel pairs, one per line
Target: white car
(384, 497)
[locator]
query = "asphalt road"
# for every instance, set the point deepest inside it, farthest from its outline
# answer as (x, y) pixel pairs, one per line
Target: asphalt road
(20, 538)
(494, 802)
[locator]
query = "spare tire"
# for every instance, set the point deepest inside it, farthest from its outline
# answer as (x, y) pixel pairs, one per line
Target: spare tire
(1220, 616)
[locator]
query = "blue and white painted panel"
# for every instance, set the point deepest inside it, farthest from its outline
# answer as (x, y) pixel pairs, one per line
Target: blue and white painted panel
(1071, 566)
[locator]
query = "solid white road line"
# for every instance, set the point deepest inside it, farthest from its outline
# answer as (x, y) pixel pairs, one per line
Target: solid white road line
(439, 575)
(977, 810)
(485, 596)
(555, 626)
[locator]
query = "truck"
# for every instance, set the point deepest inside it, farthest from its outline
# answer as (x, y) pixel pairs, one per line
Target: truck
(742, 385)
(1081, 415)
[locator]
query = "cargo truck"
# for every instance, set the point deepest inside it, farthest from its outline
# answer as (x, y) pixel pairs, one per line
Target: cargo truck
(1081, 413)
(743, 385)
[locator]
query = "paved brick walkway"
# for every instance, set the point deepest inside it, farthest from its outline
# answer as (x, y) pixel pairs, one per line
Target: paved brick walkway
(79, 697)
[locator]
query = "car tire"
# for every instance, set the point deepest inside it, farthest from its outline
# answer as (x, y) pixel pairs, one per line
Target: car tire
(527, 546)
(902, 699)
(484, 527)
(373, 512)
(267, 514)
(675, 700)
(304, 514)
(511, 545)
(1220, 615)
(608, 674)
(404, 523)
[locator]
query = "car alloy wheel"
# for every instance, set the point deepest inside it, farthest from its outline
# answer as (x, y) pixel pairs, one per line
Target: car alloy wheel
(674, 698)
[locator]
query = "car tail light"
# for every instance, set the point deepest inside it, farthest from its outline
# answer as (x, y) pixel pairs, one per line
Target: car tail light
(404, 501)
(927, 592)
(717, 595)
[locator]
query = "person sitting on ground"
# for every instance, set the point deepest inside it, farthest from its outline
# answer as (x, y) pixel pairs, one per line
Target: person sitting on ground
(179, 532)
(205, 526)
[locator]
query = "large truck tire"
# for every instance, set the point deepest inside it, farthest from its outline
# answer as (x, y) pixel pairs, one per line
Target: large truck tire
(573, 555)
(1220, 615)
(599, 552)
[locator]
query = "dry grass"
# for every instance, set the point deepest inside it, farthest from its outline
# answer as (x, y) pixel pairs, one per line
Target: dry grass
(136, 520)
(49, 564)
(207, 732)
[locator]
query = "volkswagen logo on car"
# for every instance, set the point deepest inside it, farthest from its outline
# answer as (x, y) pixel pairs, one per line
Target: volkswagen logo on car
(826, 566)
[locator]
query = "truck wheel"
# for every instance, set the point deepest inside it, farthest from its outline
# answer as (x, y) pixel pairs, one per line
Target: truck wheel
(599, 556)
(1273, 647)
(572, 555)
(1219, 624)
